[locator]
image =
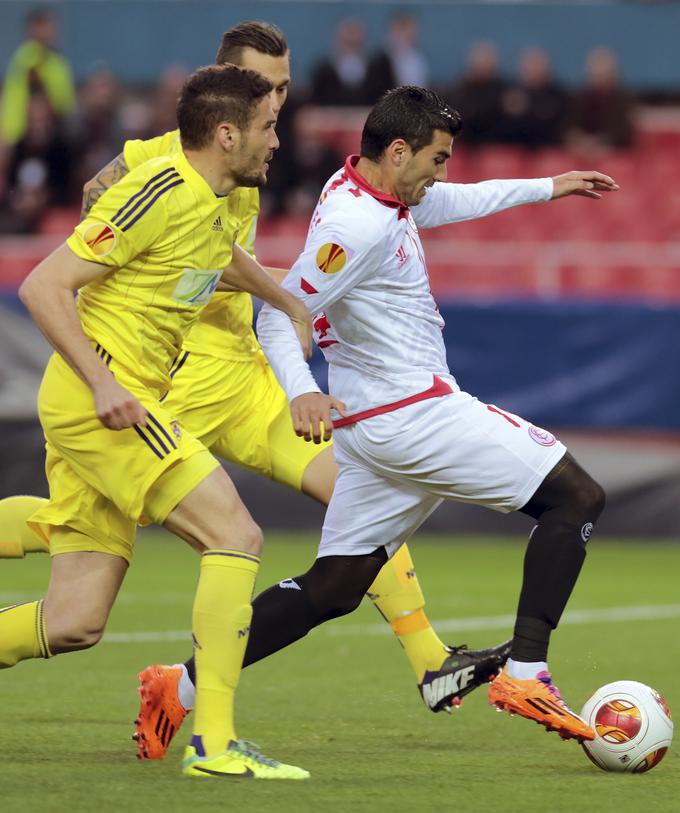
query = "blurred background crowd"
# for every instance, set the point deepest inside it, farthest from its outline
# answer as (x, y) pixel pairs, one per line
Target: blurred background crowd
(568, 313)
(56, 133)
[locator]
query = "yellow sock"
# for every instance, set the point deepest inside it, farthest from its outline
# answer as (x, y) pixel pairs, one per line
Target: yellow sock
(16, 538)
(397, 595)
(221, 624)
(22, 633)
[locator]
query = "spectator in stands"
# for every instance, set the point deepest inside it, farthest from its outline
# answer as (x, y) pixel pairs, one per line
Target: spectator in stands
(36, 67)
(534, 108)
(295, 179)
(341, 79)
(401, 62)
(164, 104)
(100, 132)
(479, 96)
(46, 152)
(283, 174)
(316, 159)
(26, 202)
(39, 171)
(603, 109)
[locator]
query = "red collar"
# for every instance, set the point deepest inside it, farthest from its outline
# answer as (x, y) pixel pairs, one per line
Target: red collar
(362, 183)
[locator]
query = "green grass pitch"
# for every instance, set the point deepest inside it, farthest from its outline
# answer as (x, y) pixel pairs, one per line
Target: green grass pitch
(343, 702)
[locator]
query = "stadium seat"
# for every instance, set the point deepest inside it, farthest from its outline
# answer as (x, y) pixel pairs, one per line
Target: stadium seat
(59, 221)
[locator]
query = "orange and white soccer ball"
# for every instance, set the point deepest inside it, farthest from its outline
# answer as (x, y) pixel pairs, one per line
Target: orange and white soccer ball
(632, 724)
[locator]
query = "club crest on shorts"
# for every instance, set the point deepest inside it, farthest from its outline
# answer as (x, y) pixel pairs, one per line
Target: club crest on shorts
(331, 258)
(100, 239)
(542, 436)
(176, 429)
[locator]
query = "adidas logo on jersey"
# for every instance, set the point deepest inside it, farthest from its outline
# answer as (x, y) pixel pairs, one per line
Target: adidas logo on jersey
(217, 225)
(446, 685)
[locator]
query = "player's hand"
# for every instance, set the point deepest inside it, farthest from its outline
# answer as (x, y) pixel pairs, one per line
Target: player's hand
(301, 319)
(117, 408)
(586, 183)
(310, 411)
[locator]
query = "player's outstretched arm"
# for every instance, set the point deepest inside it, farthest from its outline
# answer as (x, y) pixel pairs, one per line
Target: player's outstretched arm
(246, 274)
(588, 184)
(106, 177)
(47, 293)
(452, 202)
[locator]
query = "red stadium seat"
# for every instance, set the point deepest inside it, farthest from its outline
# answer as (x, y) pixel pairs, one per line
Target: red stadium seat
(60, 221)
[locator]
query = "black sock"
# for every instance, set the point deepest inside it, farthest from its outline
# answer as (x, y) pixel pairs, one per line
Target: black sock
(267, 633)
(566, 505)
(552, 564)
(530, 640)
(287, 611)
(191, 669)
(281, 615)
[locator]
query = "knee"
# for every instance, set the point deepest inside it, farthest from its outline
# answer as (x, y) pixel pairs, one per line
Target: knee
(574, 496)
(252, 539)
(335, 585)
(247, 538)
(591, 498)
(73, 637)
(332, 599)
(339, 605)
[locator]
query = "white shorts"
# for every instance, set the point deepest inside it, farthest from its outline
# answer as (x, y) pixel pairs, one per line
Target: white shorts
(396, 468)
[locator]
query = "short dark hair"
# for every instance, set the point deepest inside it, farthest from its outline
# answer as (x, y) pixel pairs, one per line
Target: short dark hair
(265, 38)
(39, 14)
(410, 113)
(214, 94)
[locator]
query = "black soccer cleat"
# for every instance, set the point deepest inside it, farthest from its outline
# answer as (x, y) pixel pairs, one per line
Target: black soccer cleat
(461, 673)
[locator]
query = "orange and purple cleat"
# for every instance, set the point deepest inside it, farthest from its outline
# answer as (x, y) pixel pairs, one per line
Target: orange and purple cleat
(160, 712)
(539, 700)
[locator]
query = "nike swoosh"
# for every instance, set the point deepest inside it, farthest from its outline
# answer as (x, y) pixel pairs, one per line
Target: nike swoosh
(247, 773)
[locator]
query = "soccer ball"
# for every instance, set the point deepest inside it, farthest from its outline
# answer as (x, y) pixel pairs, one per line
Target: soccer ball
(632, 724)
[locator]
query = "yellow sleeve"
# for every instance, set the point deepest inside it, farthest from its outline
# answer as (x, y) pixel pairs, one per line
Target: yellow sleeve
(127, 219)
(138, 151)
(248, 227)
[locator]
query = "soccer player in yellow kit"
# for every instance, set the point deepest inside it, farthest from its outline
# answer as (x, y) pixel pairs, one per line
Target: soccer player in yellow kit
(145, 262)
(228, 397)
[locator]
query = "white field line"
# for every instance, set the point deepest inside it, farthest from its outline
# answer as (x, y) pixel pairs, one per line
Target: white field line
(606, 615)
(493, 622)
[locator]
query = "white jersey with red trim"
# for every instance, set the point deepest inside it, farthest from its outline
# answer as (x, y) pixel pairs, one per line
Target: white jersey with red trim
(363, 273)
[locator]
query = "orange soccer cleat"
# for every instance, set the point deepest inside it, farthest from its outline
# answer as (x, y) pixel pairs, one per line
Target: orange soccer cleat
(160, 712)
(538, 699)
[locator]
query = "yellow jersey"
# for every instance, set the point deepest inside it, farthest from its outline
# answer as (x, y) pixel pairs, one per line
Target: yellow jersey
(168, 238)
(225, 326)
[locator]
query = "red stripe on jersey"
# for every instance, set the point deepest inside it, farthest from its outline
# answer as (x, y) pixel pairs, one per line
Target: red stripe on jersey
(327, 343)
(306, 287)
(438, 389)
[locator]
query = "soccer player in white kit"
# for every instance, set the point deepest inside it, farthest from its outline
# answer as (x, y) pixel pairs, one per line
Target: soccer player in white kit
(406, 436)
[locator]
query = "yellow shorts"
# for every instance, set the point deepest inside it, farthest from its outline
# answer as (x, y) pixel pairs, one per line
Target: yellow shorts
(103, 483)
(239, 411)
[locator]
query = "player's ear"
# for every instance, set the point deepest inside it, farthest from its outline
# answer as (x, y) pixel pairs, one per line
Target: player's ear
(224, 135)
(397, 151)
